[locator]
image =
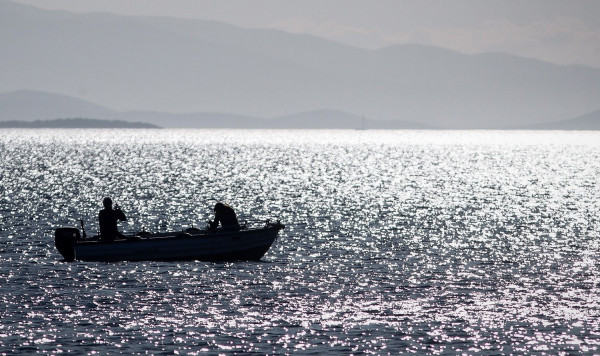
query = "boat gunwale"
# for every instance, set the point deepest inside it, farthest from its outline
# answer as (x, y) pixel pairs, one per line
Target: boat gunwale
(176, 235)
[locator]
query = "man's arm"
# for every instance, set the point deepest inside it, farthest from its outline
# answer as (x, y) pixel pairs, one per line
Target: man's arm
(120, 214)
(215, 223)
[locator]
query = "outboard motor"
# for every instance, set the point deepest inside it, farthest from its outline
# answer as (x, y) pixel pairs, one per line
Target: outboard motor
(64, 238)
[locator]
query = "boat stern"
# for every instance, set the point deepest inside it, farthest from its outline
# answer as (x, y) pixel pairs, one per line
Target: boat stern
(64, 239)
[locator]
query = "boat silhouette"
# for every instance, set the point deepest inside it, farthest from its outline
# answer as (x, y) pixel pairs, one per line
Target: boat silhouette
(245, 244)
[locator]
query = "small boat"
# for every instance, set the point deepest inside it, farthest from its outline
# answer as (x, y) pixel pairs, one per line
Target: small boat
(218, 245)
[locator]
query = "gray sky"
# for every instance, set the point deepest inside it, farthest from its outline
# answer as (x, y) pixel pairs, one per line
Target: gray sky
(564, 32)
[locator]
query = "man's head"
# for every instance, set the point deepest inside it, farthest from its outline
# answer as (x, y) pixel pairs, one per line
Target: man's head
(107, 202)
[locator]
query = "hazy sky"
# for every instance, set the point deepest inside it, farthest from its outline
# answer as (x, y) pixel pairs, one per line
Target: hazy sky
(565, 32)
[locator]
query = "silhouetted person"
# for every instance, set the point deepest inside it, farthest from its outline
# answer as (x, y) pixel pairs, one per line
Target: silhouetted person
(225, 215)
(108, 218)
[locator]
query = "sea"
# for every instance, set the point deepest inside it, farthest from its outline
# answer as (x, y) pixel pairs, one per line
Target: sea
(418, 242)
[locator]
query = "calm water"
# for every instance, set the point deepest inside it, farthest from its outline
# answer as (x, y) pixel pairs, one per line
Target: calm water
(395, 241)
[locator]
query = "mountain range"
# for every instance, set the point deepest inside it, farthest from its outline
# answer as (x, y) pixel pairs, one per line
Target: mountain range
(590, 121)
(77, 123)
(25, 106)
(39, 109)
(197, 72)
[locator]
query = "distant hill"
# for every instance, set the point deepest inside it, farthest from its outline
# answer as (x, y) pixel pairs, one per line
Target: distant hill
(195, 120)
(317, 119)
(22, 106)
(75, 123)
(331, 119)
(175, 65)
(589, 121)
(38, 109)
(28, 105)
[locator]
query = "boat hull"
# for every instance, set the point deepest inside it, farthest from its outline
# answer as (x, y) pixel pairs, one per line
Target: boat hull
(242, 245)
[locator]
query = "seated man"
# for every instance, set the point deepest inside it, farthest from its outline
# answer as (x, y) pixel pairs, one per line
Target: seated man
(108, 218)
(225, 215)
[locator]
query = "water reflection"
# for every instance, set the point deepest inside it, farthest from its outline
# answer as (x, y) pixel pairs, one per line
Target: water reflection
(399, 241)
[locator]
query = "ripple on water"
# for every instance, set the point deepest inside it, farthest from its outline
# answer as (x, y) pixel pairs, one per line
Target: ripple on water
(413, 241)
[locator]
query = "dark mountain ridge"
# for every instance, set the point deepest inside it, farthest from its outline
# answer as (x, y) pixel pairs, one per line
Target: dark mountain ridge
(77, 123)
